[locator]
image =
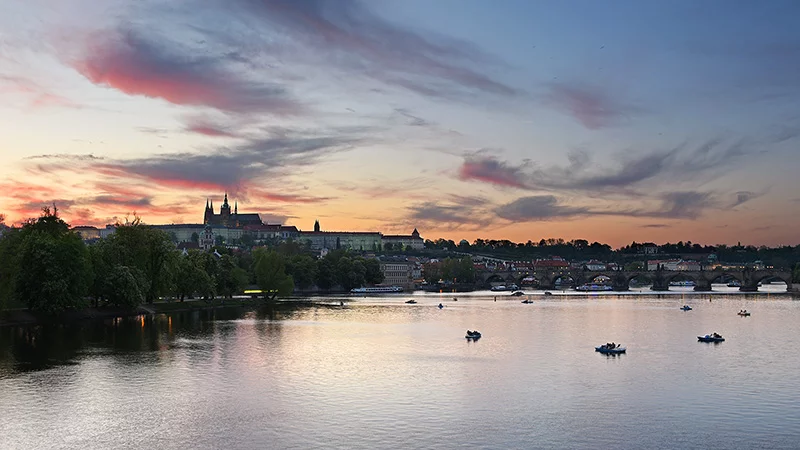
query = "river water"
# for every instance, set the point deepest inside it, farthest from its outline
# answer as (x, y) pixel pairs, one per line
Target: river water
(379, 373)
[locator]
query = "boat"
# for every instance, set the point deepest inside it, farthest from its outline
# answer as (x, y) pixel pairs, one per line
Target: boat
(411, 302)
(713, 337)
(743, 313)
(735, 283)
(686, 308)
(594, 288)
(687, 283)
(548, 293)
(527, 301)
(377, 290)
(608, 349)
(502, 288)
(474, 335)
(440, 306)
(517, 294)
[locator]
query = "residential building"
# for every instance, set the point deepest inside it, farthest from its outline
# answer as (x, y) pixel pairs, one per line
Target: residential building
(398, 242)
(398, 273)
(595, 266)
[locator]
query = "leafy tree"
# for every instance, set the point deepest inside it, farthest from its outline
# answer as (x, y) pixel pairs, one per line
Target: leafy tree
(50, 265)
(303, 269)
(350, 272)
(326, 276)
(230, 278)
(271, 274)
(123, 287)
(147, 249)
(373, 274)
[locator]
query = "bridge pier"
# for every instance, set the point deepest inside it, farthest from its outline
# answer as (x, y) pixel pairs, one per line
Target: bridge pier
(702, 285)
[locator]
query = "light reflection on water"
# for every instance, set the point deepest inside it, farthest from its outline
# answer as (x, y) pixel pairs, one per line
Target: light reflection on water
(378, 373)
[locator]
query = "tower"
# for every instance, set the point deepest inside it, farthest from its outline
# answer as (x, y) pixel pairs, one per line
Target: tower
(225, 211)
(209, 213)
(414, 234)
(316, 226)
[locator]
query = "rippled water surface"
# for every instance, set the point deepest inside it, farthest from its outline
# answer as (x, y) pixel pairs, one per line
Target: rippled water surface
(377, 373)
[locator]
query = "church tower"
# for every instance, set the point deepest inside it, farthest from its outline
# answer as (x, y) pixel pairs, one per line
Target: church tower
(225, 211)
(316, 226)
(209, 213)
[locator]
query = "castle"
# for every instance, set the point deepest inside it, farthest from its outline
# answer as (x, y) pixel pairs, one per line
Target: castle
(229, 219)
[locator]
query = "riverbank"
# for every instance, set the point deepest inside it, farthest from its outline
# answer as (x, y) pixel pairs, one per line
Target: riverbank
(17, 317)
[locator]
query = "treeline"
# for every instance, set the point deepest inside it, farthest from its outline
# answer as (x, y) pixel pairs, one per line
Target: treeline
(450, 270)
(581, 250)
(47, 268)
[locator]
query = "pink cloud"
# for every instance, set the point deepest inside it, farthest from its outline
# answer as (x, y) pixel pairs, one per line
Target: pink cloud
(490, 170)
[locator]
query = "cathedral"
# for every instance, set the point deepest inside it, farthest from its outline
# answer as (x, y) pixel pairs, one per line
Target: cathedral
(229, 219)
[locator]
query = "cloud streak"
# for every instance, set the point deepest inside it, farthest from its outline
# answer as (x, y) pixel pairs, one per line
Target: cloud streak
(127, 61)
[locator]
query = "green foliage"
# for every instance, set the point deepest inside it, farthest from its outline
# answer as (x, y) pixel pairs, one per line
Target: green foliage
(303, 269)
(123, 286)
(230, 278)
(146, 249)
(796, 273)
(456, 270)
(45, 266)
(373, 273)
(270, 272)
(350, 272)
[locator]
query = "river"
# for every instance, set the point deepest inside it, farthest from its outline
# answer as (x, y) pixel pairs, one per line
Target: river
(379, 373)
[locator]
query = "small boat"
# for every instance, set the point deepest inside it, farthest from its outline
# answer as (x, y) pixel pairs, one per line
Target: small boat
(455, 299)
(713, 337)
(735, 283)
(411, 302)
(743, 313)
(440, 306)
(548, 293)
(377, 290)
(608, 349)
(474, 335)
(527, 300)
(687, 283)
(594, 288)
(517, 293)
(686, 308)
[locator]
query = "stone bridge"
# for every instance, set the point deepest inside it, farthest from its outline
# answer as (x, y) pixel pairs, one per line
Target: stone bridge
(659, 280)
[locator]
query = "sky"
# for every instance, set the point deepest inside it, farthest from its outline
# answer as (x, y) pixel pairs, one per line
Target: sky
(512, 119)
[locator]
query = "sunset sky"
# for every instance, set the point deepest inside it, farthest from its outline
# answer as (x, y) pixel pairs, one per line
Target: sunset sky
(510, 119)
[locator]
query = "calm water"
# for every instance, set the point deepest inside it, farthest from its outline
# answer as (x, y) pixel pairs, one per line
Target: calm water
(378, 373)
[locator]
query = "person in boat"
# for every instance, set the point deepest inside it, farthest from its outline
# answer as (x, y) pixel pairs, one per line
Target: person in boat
(441, 305)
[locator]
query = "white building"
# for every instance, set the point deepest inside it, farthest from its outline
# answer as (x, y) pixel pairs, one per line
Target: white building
(400, 242)
(398, 273)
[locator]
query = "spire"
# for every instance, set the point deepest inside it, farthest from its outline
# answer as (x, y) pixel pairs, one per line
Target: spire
(226, 199)
(212, 206)
(236, 207)
(206, 202)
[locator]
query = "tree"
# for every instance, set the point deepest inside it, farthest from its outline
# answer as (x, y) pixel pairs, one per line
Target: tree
(350, 272)
(230, 278)
(52, 272)
(271, 274)
(373, 274)
(123, 287)
(796, 273)
(303, 269)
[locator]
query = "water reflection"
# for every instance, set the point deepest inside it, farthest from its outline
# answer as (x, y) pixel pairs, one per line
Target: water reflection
(383, 374)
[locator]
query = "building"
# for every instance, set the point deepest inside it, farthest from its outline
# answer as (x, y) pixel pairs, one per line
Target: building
(649, 249)
(87, 233)
(555, 263)
(399, 242)
(334, 240)
(664, 264)
(398, 273)
(595, 266)
(229, 219)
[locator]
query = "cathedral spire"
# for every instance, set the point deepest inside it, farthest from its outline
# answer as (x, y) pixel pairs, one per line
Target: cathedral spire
(236, 207)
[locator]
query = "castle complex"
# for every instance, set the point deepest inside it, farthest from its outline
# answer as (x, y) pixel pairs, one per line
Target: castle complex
(227, 219)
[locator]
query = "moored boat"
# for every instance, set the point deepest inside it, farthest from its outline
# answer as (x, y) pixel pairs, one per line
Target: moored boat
(517, 294)
(527, 301)
(743, 313)
(713, 337)
(377, 290)
(411, 302)
(686, 308)
(594, 288)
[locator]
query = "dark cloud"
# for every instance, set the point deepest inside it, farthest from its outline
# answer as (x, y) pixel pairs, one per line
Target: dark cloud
(457, 213)
(626, 174)
(592, 106)
(656, 225)
(683, 205)
(235, 169)
(490, 170)
(537, 207)
(157, 67)
(742, 197)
